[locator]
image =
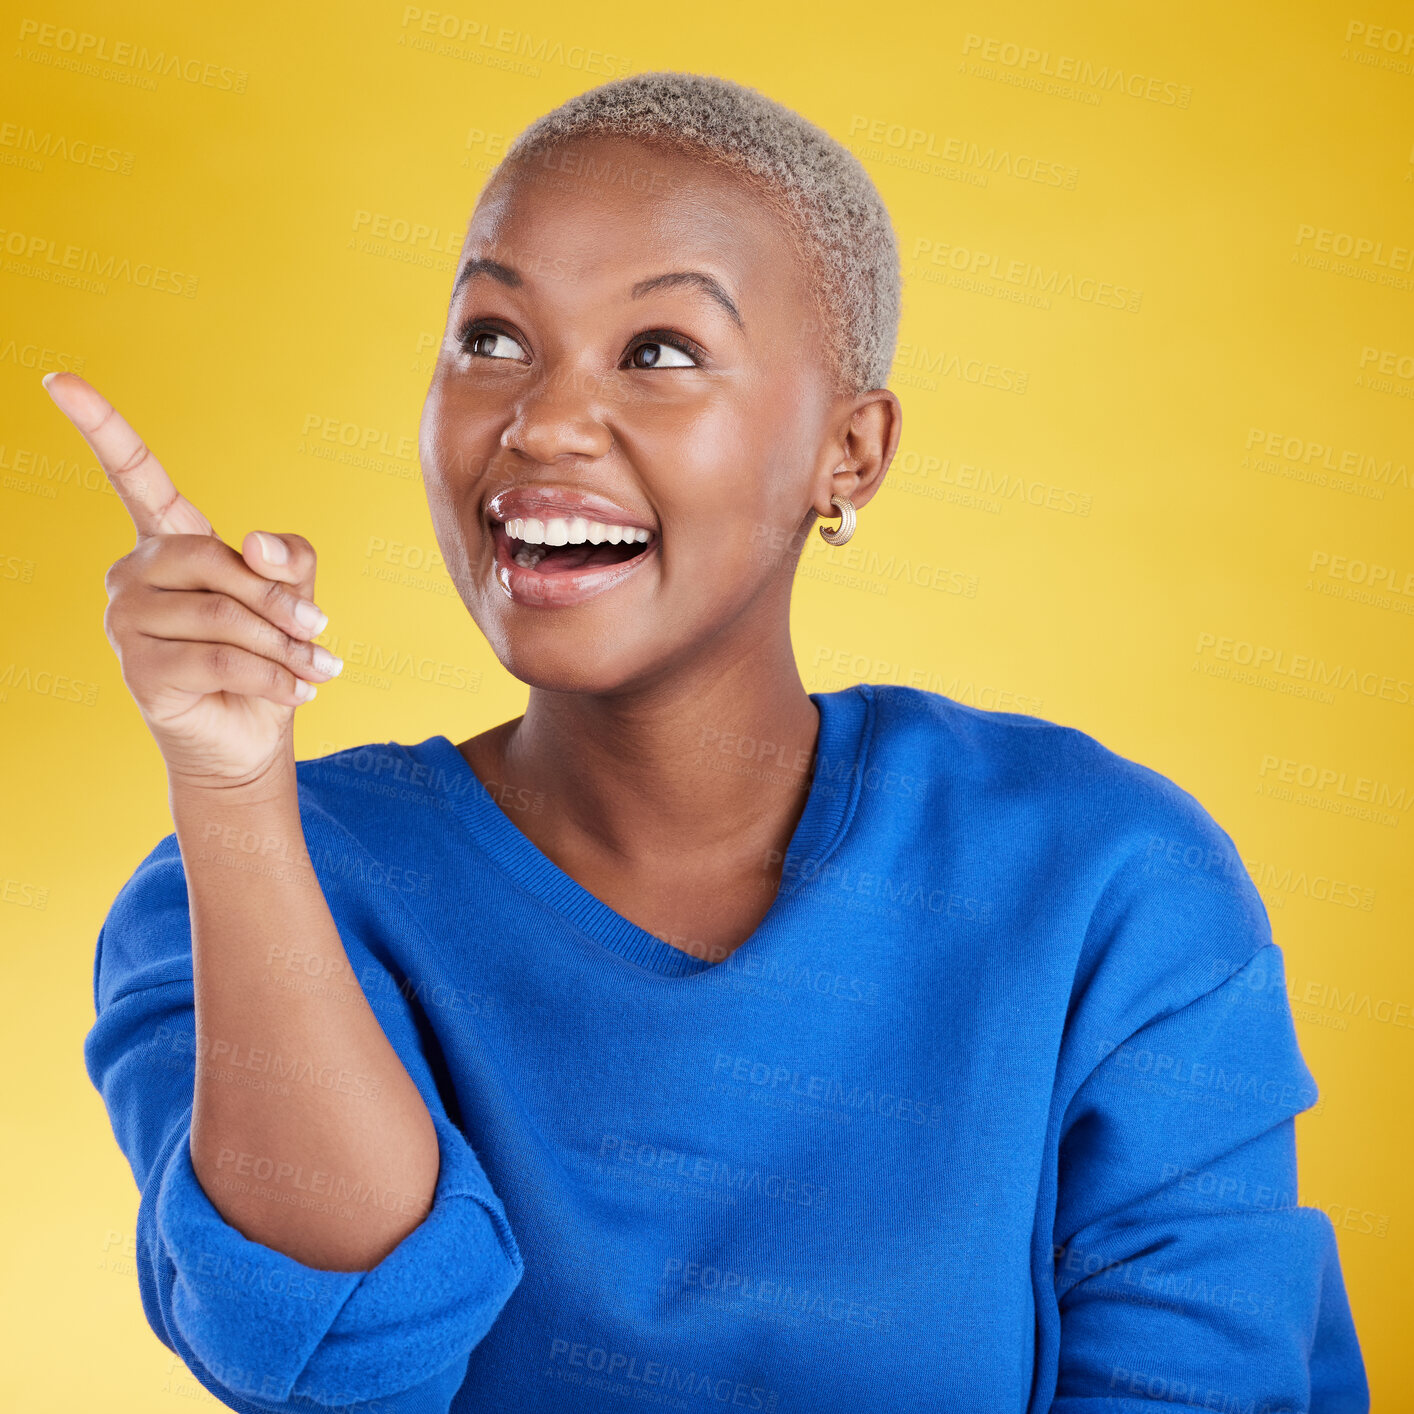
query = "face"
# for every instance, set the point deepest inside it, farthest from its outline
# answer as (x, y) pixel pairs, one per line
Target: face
(635, 346)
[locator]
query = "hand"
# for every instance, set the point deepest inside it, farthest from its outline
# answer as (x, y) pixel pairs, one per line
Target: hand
(214, 644)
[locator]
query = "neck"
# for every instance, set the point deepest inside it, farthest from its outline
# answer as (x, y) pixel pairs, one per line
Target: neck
(712, 764)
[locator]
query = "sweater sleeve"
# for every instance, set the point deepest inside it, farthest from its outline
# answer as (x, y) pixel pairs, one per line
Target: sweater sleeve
(258, 1329)
(1185, 1270)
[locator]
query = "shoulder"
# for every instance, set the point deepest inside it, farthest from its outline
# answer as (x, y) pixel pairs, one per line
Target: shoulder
(1030, 757)
(1131, 848)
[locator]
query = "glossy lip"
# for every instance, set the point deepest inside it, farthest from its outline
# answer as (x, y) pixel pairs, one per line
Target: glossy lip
(544, 502)
(564, 590)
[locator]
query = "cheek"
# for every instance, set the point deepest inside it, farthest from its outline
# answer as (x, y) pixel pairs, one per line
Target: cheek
(457, 436)
(453, 460)
(740, 458)
(711, 475)
(731, 490)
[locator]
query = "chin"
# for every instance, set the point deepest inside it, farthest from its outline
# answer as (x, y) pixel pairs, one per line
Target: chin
(560, 662)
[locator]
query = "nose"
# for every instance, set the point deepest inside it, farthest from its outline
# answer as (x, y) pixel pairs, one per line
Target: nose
(559, 416)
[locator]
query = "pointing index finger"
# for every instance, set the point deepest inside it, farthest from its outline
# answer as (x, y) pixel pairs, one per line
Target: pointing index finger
(153, 502)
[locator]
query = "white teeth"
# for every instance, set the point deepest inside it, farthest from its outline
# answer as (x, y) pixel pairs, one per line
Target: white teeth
(573, 530)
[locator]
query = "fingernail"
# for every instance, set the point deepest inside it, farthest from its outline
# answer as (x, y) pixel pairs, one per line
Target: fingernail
(304, 690)
(311, 616)
(276, 552)
(326, 662)
(47, 377)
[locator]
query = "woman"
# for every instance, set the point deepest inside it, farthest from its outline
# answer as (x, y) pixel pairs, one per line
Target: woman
(691, 1038)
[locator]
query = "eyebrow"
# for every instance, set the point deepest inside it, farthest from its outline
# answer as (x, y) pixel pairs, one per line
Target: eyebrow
(699, 278)
(493, 268)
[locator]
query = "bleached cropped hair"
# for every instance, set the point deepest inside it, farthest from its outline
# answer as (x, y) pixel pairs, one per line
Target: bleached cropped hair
(828, 201)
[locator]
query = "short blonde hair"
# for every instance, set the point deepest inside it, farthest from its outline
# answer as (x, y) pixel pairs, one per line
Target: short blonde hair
(830, 205)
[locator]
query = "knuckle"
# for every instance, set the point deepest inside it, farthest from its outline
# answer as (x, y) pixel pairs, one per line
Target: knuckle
(141, 558)
(195, 553)
(118, 573)
(274, 597)
(132, 663)
(222, 610)
(206, 547)
(126, 601)
(139, 455)
(271, 641)
(221, 659)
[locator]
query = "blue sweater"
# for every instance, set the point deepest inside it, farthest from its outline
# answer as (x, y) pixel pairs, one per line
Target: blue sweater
(994, 1111)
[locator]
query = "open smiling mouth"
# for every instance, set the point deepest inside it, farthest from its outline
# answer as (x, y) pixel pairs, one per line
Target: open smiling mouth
(562, 560)
(562, 545)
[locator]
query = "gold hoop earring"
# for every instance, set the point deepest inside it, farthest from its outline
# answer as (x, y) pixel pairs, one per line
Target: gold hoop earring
(848, 519)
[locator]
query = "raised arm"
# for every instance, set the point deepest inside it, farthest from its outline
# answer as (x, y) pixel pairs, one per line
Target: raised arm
(260, 1104)
(215, 650)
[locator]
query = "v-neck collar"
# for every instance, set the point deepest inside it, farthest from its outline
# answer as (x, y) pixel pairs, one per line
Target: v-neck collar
(846, 724)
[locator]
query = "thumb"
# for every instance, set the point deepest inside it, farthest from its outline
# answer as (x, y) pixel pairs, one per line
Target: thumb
(287, 558)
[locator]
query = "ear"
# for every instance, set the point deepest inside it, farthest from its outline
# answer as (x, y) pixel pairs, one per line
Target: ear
(855, 457)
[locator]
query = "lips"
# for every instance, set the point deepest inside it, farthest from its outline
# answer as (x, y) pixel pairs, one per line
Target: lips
(545, 502)
(547, 586)
(538, 574)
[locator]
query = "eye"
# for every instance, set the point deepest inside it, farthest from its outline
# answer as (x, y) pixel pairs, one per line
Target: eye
(486, 341)
(663, 351)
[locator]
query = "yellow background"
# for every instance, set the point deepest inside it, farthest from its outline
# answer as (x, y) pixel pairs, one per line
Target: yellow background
(1195, 548)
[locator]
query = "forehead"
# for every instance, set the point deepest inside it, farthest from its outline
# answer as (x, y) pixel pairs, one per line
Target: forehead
(604, 211)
